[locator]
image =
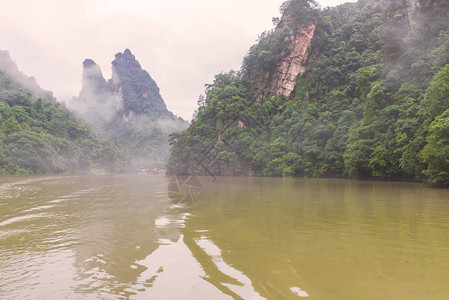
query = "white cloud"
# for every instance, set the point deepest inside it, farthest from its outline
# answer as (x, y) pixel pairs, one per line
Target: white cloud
(181, 43)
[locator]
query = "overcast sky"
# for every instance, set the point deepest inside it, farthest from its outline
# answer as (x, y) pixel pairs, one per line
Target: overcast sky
(181, 43)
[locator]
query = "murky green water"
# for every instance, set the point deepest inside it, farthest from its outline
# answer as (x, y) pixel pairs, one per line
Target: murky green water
(119, 237)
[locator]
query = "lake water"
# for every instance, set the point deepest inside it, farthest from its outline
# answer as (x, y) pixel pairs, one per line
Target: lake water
(120, 237)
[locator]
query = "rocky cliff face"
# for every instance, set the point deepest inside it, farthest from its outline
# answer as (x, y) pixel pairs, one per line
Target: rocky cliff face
(97, 95)
(282, 79)
(128, 108)
(96, 103)
(93, 81)
(130, 92)
(136, 89)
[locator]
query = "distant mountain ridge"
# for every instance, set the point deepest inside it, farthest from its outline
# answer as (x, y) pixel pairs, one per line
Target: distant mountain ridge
(9, 67)
(127, 108)
(38, 135)
(130, 92)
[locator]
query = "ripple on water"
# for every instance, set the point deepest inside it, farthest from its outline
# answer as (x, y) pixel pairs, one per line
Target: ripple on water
(176, 221)
(22, 219)
(46, 274)
(85, 237)
(42, 207)
(11, 190)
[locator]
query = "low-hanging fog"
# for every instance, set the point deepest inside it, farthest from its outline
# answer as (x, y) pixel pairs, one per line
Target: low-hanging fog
(182, 44)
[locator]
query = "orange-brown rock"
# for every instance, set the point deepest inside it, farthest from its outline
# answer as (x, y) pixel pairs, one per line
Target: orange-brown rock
(282, 80)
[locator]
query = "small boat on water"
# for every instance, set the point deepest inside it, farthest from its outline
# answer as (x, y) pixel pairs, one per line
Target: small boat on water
(154, 171)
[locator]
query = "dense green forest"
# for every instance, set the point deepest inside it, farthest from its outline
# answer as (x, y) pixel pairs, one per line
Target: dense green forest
(38, 135)
(126, 122)
(373, 102)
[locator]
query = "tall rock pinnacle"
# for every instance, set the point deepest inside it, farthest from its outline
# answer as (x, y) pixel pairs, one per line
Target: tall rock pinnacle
(138, 92)
(93, 80)
(129, 109)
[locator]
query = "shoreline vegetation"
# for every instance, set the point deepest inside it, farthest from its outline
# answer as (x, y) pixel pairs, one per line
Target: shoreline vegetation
(356, 91)
(370, 100)
(112, 127)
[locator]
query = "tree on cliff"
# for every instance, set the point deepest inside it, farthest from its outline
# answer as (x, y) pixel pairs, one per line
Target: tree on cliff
(300, 11)
(369, 105)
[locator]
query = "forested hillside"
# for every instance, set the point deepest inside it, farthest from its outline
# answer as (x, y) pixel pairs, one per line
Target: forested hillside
(360, 90)
(38, 135)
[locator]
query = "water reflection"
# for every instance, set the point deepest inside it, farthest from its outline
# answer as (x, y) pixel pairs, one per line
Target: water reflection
(188, 266)
(76, 236)
(119, 237)
(237, 283)
(322, 238)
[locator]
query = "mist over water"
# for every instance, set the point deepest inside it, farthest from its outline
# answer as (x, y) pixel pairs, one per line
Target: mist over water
(116, 237)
